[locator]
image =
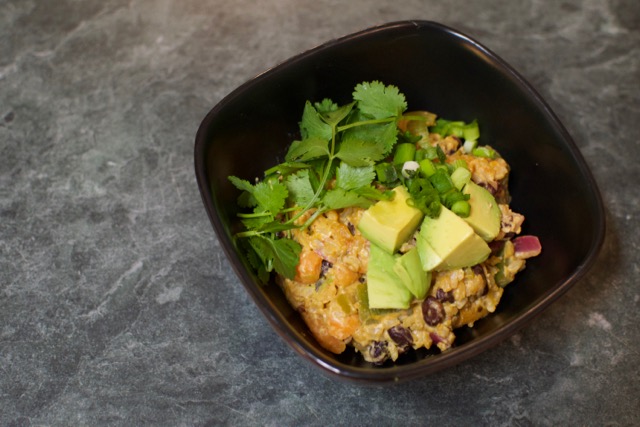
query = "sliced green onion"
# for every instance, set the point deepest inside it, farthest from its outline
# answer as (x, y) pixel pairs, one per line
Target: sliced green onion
(386, 172)
(452, 196)
(409, 169)
(462, 208)
(404, 153)
(484, 152)
(441, 181)
(460, 163)
(441, 156)
(430, 153)
(443, 167)
(460, 177)
(469, 145)
(460, 129)
(427, 168)
(471, 131)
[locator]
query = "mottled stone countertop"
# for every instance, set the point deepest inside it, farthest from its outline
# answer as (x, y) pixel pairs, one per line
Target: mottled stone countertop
(117, 305)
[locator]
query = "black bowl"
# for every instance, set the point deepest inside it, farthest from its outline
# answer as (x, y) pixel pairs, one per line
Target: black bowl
(444, 71)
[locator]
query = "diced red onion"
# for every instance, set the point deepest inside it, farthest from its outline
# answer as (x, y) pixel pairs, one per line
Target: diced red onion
(435, 338)
(527, 246)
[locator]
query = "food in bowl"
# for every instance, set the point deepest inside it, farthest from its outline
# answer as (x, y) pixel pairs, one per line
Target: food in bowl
(387, 229)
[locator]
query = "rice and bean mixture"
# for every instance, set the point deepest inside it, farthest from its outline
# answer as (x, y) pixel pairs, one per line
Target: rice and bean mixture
(329, 289)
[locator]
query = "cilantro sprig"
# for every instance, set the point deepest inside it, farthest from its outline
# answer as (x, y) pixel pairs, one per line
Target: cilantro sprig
(330, 167)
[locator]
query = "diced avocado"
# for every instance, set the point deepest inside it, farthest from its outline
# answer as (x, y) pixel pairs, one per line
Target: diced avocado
(389, 223)
(429, 258)
(454, 241)
(384, 288)
(485, 214)
(409, 268)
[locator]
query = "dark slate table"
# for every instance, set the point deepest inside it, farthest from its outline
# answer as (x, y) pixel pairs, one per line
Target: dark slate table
(117, 305)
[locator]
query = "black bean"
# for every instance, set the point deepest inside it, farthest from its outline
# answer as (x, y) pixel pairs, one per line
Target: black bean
(443, 296)
(326, 265)
(432, 311)
(401, 336)
(378, 351)
(496, 246)
(352, 228)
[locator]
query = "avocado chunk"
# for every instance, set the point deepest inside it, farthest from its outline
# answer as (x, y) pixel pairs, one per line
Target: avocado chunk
(485, 214)
(408, 267)
(428, 256)
(454, 241)
(385, 289)
(389, 223)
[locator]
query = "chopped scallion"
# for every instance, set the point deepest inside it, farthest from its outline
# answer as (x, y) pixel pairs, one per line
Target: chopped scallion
(469, 145)
(409, 169)
(427, 168)
(386, 172)
(484, 152)
(404, 153)
(460, 163)
(460, 177)
(462, 208)
(441, 181)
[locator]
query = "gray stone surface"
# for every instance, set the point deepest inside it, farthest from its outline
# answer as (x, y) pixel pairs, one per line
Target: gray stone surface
(117, 305)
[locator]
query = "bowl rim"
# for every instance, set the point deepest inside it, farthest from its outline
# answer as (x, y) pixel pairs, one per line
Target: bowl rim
(457, 354)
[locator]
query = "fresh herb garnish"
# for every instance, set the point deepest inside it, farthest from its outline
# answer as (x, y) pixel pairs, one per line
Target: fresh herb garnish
(330, 167)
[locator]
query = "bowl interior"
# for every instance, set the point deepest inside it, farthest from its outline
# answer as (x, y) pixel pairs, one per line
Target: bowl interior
(440, 70)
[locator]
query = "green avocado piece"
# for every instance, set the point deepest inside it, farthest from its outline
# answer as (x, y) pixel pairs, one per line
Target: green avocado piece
(408, 267)
(454, 241)
(385, 288)
(389, 223)
(485, 215)
(428, 256)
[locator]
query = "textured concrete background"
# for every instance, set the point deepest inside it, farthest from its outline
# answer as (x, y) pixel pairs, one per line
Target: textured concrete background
(117, 305)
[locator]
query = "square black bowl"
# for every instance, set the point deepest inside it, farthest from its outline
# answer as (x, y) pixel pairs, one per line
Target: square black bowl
(441, 70)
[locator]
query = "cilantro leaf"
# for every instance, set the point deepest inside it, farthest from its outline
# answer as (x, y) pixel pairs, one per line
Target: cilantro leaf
(371, 192)
(286, 256)
(256, 221)
(350, 178)
(339, 198)
(379, 101)
(246, 199)
(285, 168)
(241, 184)
(334, 117)
(270, 196)
(326, 106)
(307, 149)
(300, 189)
(369, 143)
(312, 125)
(281, 254)
(358, 152)
(274, 227)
